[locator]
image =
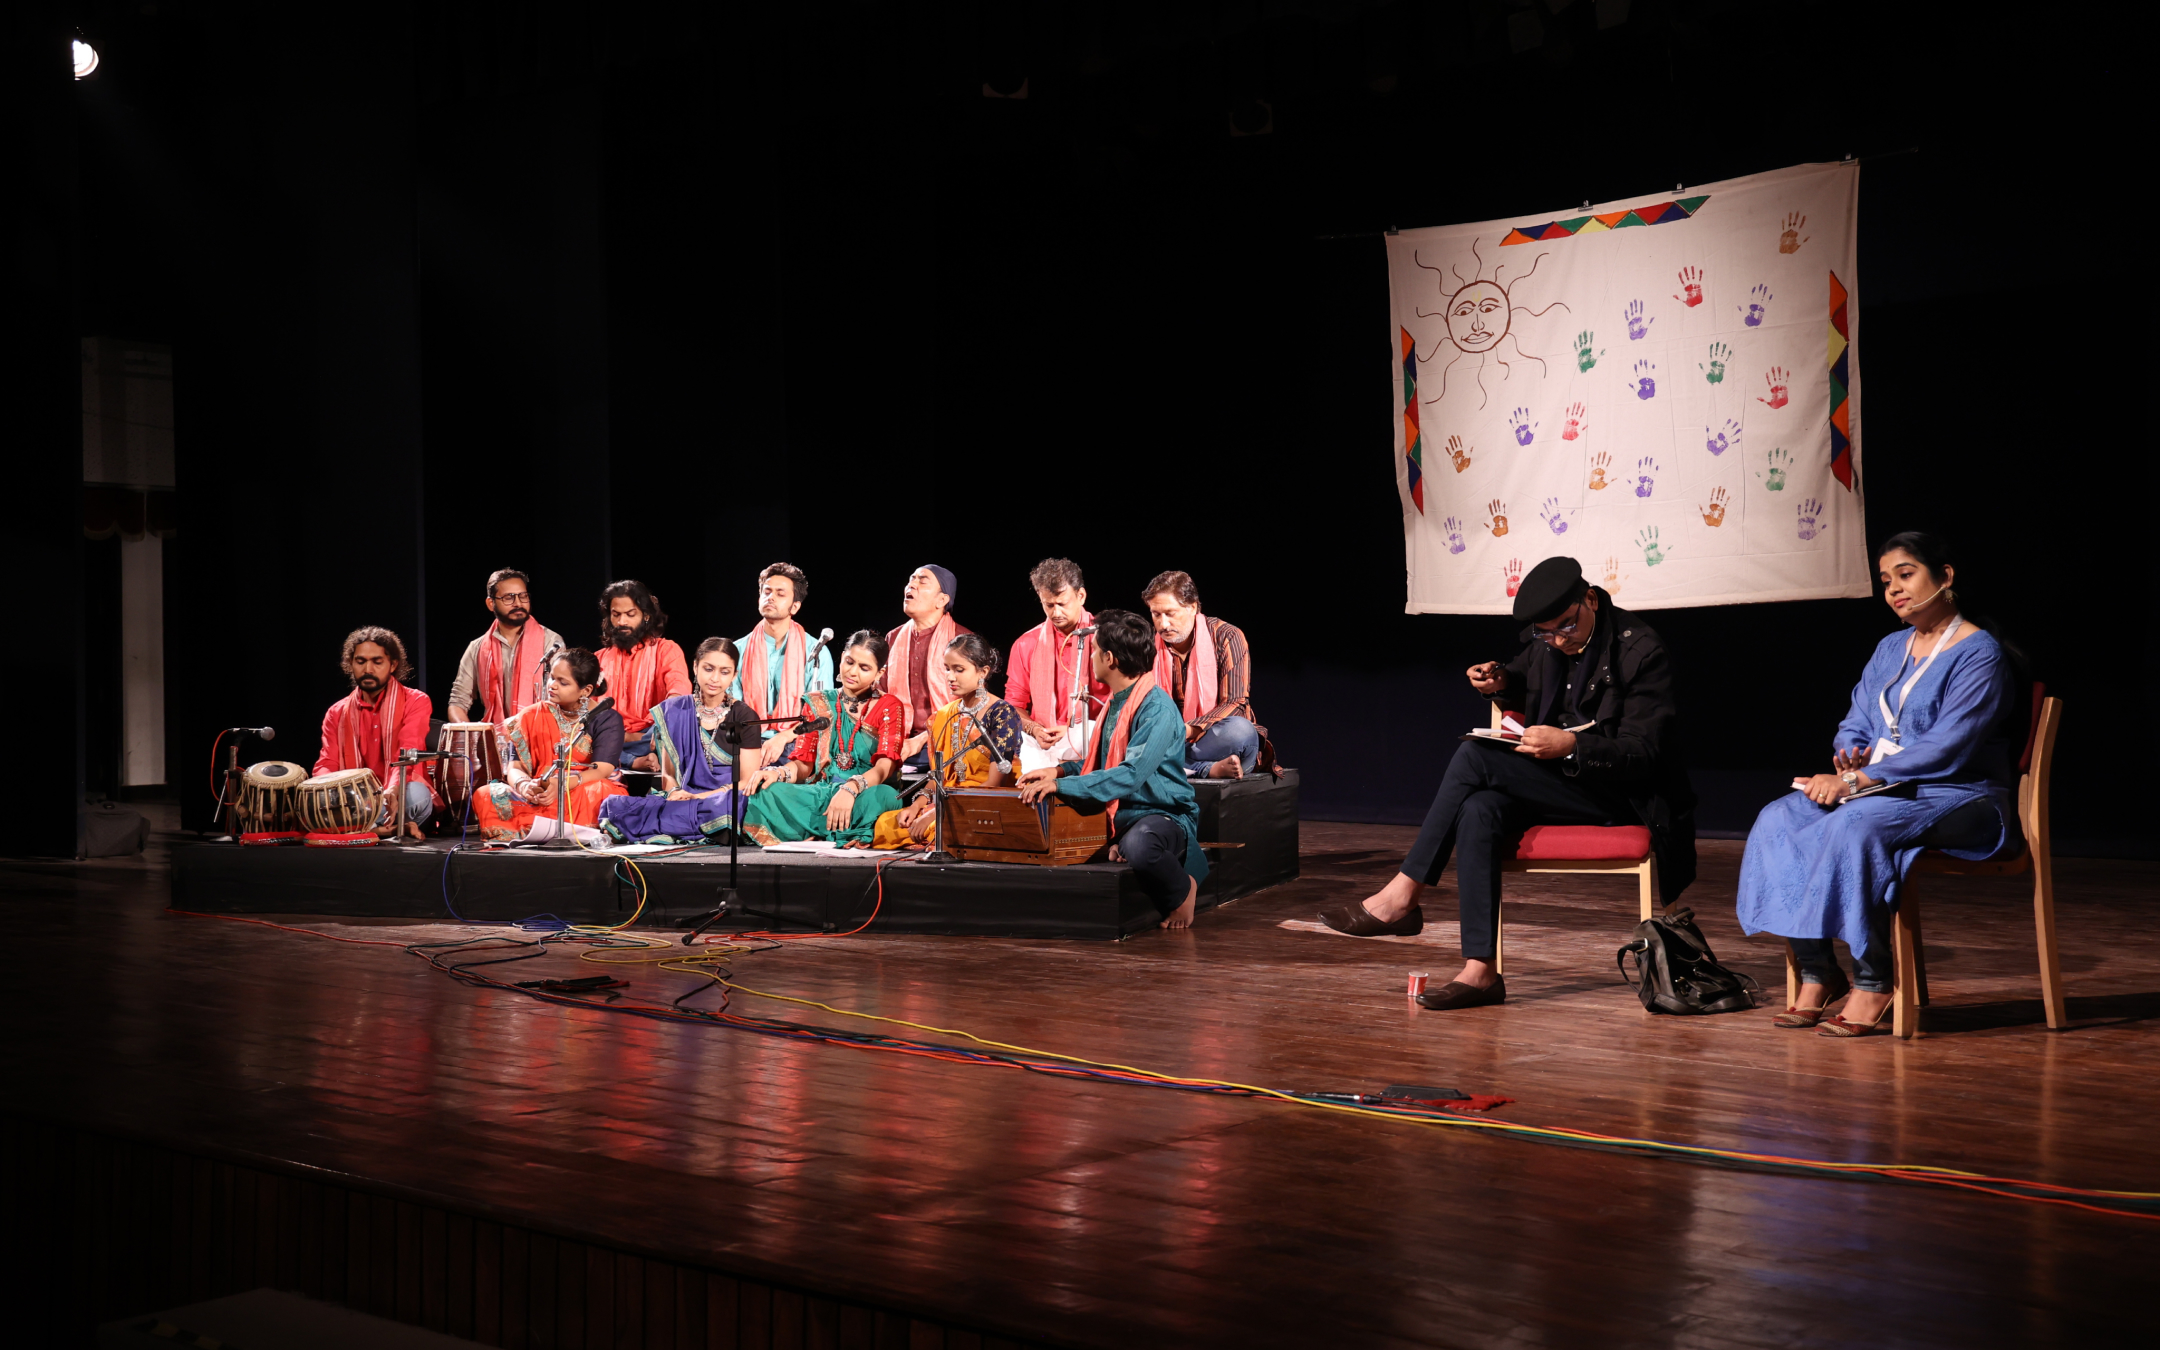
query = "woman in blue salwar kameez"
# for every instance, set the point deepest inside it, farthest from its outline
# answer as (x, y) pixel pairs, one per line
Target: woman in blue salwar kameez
(1932, 715)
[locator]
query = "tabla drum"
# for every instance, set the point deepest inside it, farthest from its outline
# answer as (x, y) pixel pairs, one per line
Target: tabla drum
(264, 813)
(472, 758)
(338, 809)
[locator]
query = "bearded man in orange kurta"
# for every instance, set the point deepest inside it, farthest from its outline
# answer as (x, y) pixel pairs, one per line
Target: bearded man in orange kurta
(643, 668)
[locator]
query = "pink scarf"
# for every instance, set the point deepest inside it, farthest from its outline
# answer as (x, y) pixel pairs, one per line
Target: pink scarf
(630, 676)
(757, 674)
(901, 657)
(526, 658)
(1120, 736)
(1203, 687)
(388, 705)
(1047, 694)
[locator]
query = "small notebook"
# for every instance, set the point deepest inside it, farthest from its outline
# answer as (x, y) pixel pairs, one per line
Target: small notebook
(1872, 789)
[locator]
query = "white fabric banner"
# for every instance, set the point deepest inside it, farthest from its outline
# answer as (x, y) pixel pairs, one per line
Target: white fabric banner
(1664, 389)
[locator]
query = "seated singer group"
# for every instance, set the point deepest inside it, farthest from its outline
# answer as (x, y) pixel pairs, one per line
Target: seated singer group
(772, 738)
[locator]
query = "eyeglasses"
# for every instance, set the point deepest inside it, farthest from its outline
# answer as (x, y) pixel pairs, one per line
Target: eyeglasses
(1563, 632)
(518, 599)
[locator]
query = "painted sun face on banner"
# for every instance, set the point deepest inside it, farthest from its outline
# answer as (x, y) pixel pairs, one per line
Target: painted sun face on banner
(1480, 316)
(1477, 316)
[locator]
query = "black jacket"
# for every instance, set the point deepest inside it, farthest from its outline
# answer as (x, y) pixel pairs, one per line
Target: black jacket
(1634, 749)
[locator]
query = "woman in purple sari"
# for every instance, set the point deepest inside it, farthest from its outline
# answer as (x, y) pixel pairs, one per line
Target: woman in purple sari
(702, 740)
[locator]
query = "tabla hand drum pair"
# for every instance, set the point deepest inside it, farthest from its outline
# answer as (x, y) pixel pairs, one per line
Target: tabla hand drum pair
(339, 809)
(264, 813)
(471, 760)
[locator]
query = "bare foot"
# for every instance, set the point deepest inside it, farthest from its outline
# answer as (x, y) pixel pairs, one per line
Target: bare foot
(1182, 916)
(1477, 974)
(1393, 900)
(412, 828)
(1232, 767)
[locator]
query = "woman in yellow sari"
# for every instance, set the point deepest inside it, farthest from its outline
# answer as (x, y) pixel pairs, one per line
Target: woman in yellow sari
(975, 739)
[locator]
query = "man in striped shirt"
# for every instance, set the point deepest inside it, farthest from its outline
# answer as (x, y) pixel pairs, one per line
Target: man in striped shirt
(1205, 667)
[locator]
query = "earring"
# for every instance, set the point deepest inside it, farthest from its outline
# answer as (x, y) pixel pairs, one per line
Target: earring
(583, 704)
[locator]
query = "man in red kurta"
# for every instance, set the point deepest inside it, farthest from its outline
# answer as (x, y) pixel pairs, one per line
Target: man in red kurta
(642, 668)
(1039, 670)
(380, 718)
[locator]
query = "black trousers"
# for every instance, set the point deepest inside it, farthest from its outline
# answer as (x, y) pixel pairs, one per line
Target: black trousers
(1488, 797)
(1154, 846)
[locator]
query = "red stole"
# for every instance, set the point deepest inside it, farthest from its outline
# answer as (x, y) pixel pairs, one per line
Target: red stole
(389, 707)
(526, 657)
(757, 673)
(1120, 735)
(896, 668)
(1203, 684)
(1046, 692)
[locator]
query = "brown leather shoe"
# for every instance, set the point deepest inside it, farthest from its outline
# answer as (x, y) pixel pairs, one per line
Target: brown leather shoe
(1455, 994)
(1358, 921)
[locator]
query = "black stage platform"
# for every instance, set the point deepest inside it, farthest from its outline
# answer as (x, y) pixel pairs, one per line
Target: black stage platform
(1100, 900)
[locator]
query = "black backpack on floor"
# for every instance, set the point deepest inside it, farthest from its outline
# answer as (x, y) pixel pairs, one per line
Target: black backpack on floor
(1675, 971)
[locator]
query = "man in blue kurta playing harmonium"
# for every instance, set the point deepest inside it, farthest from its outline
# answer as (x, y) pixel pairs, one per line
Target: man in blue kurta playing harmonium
(1135, 766)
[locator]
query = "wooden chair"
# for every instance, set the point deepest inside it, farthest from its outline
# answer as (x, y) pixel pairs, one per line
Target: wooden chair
(2037, 856)
(1579, 848)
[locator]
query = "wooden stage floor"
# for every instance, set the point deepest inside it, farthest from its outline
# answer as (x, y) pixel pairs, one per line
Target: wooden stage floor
(1011, 1205)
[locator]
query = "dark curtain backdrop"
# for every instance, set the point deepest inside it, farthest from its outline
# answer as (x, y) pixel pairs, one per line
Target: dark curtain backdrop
(674, 291)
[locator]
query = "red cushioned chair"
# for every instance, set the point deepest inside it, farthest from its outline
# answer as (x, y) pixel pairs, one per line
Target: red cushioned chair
(1580, 848)
(2035, 767)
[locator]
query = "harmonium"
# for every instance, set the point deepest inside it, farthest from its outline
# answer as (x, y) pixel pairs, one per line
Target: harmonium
(994, 825)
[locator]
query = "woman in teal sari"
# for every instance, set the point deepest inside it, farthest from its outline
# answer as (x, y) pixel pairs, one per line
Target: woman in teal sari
(834, 785)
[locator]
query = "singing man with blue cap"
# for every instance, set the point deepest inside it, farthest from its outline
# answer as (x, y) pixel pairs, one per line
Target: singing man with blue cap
(1592, 688)
(915, 672)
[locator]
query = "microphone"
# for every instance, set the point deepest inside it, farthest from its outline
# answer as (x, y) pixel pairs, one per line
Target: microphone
(1004, 765)
(824, 639)
(259, 733)
(1088, 631)
(810, 724)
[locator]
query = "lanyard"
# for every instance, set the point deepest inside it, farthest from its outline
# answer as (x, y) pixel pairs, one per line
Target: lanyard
(1882, 701)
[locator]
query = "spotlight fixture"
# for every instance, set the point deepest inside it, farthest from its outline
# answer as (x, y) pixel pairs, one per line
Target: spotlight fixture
(86, 59)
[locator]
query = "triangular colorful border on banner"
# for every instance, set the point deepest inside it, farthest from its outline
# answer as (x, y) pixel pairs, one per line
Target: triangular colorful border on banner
(1663, 213)
(1841, 465)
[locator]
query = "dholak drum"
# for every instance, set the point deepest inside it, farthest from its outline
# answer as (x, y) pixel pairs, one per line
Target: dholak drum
(264, 813)
(339, 809)
(471, 760)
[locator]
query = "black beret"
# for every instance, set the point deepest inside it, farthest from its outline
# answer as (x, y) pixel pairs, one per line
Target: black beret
(1551, 587)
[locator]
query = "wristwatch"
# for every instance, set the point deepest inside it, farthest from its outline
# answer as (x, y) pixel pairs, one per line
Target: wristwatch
(1851, 779)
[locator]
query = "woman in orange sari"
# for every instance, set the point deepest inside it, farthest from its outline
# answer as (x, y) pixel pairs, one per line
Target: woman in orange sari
(533, 740)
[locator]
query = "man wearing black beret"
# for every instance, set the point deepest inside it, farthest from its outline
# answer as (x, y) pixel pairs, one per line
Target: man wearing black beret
(1592, 688)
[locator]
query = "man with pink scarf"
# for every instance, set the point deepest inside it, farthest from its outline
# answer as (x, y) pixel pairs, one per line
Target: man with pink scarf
(1206, 668)
(1047, 662)
(915, 671)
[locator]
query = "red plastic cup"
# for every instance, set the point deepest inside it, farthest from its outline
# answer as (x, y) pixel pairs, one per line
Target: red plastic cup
(1417, 982)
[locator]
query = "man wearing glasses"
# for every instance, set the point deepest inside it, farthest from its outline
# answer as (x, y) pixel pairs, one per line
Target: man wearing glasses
(505, 668)
(1592, 689)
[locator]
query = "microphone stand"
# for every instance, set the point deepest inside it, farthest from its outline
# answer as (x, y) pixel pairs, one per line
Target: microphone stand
(937, 852)
(564, 840)
(730, 898)
(228, 796)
